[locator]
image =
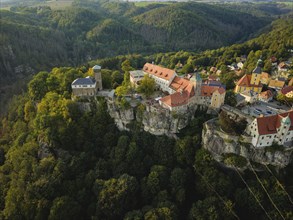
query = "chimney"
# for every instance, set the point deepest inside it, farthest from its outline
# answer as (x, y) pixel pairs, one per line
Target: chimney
(181, 91)
(153, 62)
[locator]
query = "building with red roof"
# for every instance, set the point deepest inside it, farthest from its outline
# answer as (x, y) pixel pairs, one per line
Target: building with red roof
(185, 92)
(272, 129)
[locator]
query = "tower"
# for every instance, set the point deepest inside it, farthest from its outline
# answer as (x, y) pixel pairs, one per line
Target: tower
(196, 82)
(256, 73)
(98, 76)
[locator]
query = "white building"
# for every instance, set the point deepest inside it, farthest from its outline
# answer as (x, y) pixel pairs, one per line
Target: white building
(162, 76)
(136, 76)
(272, 129)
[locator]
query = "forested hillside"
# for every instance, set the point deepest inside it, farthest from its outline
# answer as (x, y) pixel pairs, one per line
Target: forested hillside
(58, 162)
(39, 38)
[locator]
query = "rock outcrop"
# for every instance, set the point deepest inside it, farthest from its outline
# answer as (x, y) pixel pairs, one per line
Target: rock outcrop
(219, 144)
(153, 119)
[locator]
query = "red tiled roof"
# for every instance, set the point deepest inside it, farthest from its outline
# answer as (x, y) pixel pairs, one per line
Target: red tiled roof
(245, 81)
(179, 83)
(158, 71)
(286, 90)
(209, 90)
(179, 98)
(269, 124)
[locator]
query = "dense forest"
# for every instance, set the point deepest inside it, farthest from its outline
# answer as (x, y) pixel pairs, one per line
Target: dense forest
(39, 38)
(58, 162)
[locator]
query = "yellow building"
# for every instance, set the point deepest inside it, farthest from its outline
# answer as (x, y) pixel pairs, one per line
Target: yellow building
(244, 84)
(250, 82)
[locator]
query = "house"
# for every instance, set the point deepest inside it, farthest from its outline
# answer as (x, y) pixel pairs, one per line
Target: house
(283, 67)
(135, 77)
(265, 78)
(272, 129)
(240, 65)
(266, 96)
(287, 91)
(162, 76)
(276, 84)
(89, 86)
(250, 82)
(250, 96)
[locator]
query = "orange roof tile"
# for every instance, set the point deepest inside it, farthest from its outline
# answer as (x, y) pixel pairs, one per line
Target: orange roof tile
(265, 75)
(244, 81)
(180, 97)
(269, 124)
(158, 71)
(179, 83)
(209, 90)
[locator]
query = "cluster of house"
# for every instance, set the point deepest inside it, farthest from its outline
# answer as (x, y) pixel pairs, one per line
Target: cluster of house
(270, 129)
(249, 87)
(183, 92)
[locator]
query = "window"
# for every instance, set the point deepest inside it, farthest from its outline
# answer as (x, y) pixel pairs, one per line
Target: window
(262, 138)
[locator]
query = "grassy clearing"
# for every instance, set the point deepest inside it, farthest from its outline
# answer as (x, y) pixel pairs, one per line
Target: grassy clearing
(54, 5)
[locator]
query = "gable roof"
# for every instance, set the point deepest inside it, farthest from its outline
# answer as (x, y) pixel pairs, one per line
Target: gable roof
(84, 81)
(179, 83)
(244, 81)
(179, 98)
(159, 71)
(269, 124)
(286, 90)
(209, 90)
(276, 83)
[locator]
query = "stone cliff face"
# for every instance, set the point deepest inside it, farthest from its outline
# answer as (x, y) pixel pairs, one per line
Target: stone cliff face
(154, 119)
(220, 144)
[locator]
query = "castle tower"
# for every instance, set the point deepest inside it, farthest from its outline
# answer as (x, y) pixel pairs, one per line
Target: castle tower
(98, 76)
(284, 125)
(256, 73)
(196, 82)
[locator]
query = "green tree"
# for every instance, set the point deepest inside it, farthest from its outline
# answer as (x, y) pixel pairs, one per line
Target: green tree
(147, 86)
(230, 98)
